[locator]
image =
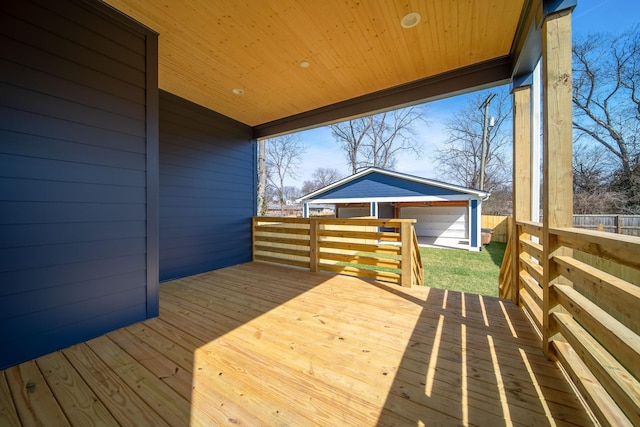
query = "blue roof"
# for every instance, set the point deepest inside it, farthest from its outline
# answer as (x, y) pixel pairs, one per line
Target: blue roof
(380, 183)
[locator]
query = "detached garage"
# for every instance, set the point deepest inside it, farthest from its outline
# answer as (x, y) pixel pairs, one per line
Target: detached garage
(442, 210)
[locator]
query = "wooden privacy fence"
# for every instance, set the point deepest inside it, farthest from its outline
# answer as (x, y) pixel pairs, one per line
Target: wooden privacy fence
(356, 247)
(620, 224)
(581, 291)
(501, 226)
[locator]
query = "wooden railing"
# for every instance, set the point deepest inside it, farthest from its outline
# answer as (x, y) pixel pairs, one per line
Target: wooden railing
(372, 248)
(585, 306)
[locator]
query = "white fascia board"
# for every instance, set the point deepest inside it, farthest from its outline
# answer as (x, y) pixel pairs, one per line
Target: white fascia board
(392, 199)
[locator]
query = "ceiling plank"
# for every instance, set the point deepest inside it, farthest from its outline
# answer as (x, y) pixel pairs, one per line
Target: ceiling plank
(354, 49)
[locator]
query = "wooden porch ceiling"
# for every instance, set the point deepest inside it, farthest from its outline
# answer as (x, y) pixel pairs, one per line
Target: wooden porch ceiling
(263, 345)
(353, 48)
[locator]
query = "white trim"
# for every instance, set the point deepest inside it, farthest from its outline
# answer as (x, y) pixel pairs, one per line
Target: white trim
(394, 199)
(373, 209)
(471, 230)
(399, 175)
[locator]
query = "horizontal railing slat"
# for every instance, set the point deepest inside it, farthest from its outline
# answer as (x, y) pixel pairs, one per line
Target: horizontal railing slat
(281, 230)
(365, 235)
(619, 248)
(283, 240)
(284, 251)
(532, 287)
(534, 269)
(281, 220)
(360, 259)
(532, 248)
(386, 223)
(361, 247)
(533, 228)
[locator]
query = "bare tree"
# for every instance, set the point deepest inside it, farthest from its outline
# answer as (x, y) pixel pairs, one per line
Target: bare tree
(592, 192)
(377, 140)
(262, 179)
(460, 157)
(291, 192)
(283, 155)
(606, 97)
(321, 178)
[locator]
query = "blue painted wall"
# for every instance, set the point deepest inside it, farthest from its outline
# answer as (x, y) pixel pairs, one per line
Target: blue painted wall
(73, 175)
(380, 185)
(207, 189)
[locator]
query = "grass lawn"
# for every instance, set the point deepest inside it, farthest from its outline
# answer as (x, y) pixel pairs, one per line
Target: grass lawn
(457, 270)
(473, 272)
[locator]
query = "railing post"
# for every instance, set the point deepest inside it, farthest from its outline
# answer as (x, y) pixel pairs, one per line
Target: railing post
(314, 225)
(407, 256)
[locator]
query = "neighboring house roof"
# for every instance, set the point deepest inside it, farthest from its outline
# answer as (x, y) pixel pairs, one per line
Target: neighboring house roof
(374, 184)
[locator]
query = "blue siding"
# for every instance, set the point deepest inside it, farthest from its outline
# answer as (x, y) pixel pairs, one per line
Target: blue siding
(73, 175)
(207, 189)
(381, 185)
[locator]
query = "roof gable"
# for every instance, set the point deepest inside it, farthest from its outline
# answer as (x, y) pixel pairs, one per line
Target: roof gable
(380, 183)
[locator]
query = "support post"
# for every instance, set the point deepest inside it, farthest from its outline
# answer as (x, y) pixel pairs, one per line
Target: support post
(407, 257)
(557, 162)
(521, 178)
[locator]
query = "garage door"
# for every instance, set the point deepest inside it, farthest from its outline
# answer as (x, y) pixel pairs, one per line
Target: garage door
(440, 221)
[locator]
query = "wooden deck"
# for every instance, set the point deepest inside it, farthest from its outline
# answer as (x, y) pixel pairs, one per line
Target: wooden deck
(257, 344)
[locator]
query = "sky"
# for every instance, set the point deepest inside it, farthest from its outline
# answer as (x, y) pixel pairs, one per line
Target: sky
(590, 16)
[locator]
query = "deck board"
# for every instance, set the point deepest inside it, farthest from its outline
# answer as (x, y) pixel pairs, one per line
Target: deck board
(257, 344)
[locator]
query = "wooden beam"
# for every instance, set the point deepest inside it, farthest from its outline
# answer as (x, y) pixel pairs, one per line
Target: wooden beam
(557, 162)
(478, 76)
(521, 175)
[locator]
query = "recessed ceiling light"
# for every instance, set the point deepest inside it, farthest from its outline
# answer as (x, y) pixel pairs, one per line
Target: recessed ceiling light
(410, 20)
(237, 91)
(304, 64)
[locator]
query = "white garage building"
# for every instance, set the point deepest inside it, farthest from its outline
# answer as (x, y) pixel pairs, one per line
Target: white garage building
(442, 210)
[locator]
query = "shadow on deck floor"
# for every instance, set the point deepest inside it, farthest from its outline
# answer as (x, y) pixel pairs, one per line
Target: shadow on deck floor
(257, 344)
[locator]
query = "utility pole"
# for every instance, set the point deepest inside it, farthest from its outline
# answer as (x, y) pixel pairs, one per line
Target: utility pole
(485, 131)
